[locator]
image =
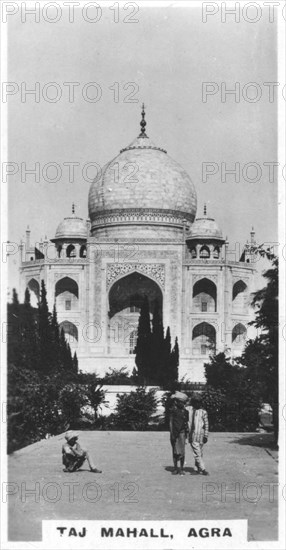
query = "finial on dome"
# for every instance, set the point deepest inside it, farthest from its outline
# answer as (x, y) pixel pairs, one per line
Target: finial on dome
(143, 123)
(205, 209)
(73, 209)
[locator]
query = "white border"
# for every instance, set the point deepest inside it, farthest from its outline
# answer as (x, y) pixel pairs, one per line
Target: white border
(281, 544)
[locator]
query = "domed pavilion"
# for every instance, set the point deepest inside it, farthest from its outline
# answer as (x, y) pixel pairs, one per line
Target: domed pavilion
(142, 238)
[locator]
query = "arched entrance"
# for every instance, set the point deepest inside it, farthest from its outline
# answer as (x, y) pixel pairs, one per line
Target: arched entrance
(125, 301)
(204, 339)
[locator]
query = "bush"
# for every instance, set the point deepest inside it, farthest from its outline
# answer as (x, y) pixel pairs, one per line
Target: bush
(134, 410)
(214, 401)
(231, 399)
(41, 405)
(118, 377)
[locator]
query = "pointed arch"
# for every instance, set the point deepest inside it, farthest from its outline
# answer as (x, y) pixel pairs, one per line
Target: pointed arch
(67, 294)
(71, 251)
(239, 296)
(82, 252)
(239, 333)
(34, 289)
(203, 339)
(204, 252)
(70, 330)
(205, 295)
(216, 252)
(126, 297)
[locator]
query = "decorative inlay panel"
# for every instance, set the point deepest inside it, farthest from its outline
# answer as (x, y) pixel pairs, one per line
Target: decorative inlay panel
(155, 271)
(141, 215)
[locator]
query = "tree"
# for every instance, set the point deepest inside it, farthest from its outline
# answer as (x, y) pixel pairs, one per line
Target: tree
(134, 410)
(231, 399)
(143, 356)
(75, 363)
(30, 342)
(220, 373)
(65, 354)
(174, 374)
(45, 332)
(15, 299)
(157, 364)
(261, 354)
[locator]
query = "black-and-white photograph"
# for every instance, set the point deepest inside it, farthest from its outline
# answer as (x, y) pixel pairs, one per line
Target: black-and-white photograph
(143, 219)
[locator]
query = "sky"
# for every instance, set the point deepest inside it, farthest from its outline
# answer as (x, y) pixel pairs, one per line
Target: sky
(162, 59)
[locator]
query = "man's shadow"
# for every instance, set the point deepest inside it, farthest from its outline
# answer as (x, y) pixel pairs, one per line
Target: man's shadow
(187, 469)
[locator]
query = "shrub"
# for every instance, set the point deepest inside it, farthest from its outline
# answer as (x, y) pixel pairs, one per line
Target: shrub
(214, 401)
(134, 410)
(114, 377)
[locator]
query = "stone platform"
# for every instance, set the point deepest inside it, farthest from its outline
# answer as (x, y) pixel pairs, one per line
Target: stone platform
(136, 483)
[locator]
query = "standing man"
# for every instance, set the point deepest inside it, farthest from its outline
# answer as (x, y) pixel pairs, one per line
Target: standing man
(198, 432)
(178, 431)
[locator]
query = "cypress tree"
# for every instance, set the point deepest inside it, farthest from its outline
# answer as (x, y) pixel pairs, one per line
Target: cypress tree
(14, 331)
(75, 363)
(65, 354)
(56, 346)
(30, 340)
(15, 299)
(157, 365)
(143, 357)
(175, 362)
(45, 333)
(166, 367)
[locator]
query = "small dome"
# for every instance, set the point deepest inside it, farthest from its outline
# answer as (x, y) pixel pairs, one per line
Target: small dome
(205, 228)
(71, 228)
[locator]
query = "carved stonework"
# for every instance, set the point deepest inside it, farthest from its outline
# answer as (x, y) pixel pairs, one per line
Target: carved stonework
(240, 278)
(74, 276)
(212, 278)
(154, 271)
(141, 216)
(199, 320)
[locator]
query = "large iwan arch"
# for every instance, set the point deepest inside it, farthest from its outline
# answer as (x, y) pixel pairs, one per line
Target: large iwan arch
(125, 300)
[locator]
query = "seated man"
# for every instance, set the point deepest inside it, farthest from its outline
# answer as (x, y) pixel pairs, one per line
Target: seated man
(74, 456)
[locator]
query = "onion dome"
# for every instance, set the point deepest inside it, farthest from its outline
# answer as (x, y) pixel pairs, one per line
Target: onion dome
(142, 186)
(72, 227)
(205, 229)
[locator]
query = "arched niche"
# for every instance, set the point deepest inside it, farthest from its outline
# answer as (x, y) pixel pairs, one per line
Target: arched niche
(239, 297)
(203, 339)
(34, 289)
(71, 332)
(66, 293)
(204, 296)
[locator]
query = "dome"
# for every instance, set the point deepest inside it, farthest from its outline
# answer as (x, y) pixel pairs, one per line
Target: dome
(142, 185)
(71, 228)
(205, 228)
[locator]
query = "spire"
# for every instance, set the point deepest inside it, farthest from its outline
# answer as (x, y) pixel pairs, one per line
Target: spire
(205, 209)
(252, 236)
(143, 123)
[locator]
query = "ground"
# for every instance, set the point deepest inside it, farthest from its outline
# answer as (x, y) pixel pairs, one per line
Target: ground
(136, 482)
